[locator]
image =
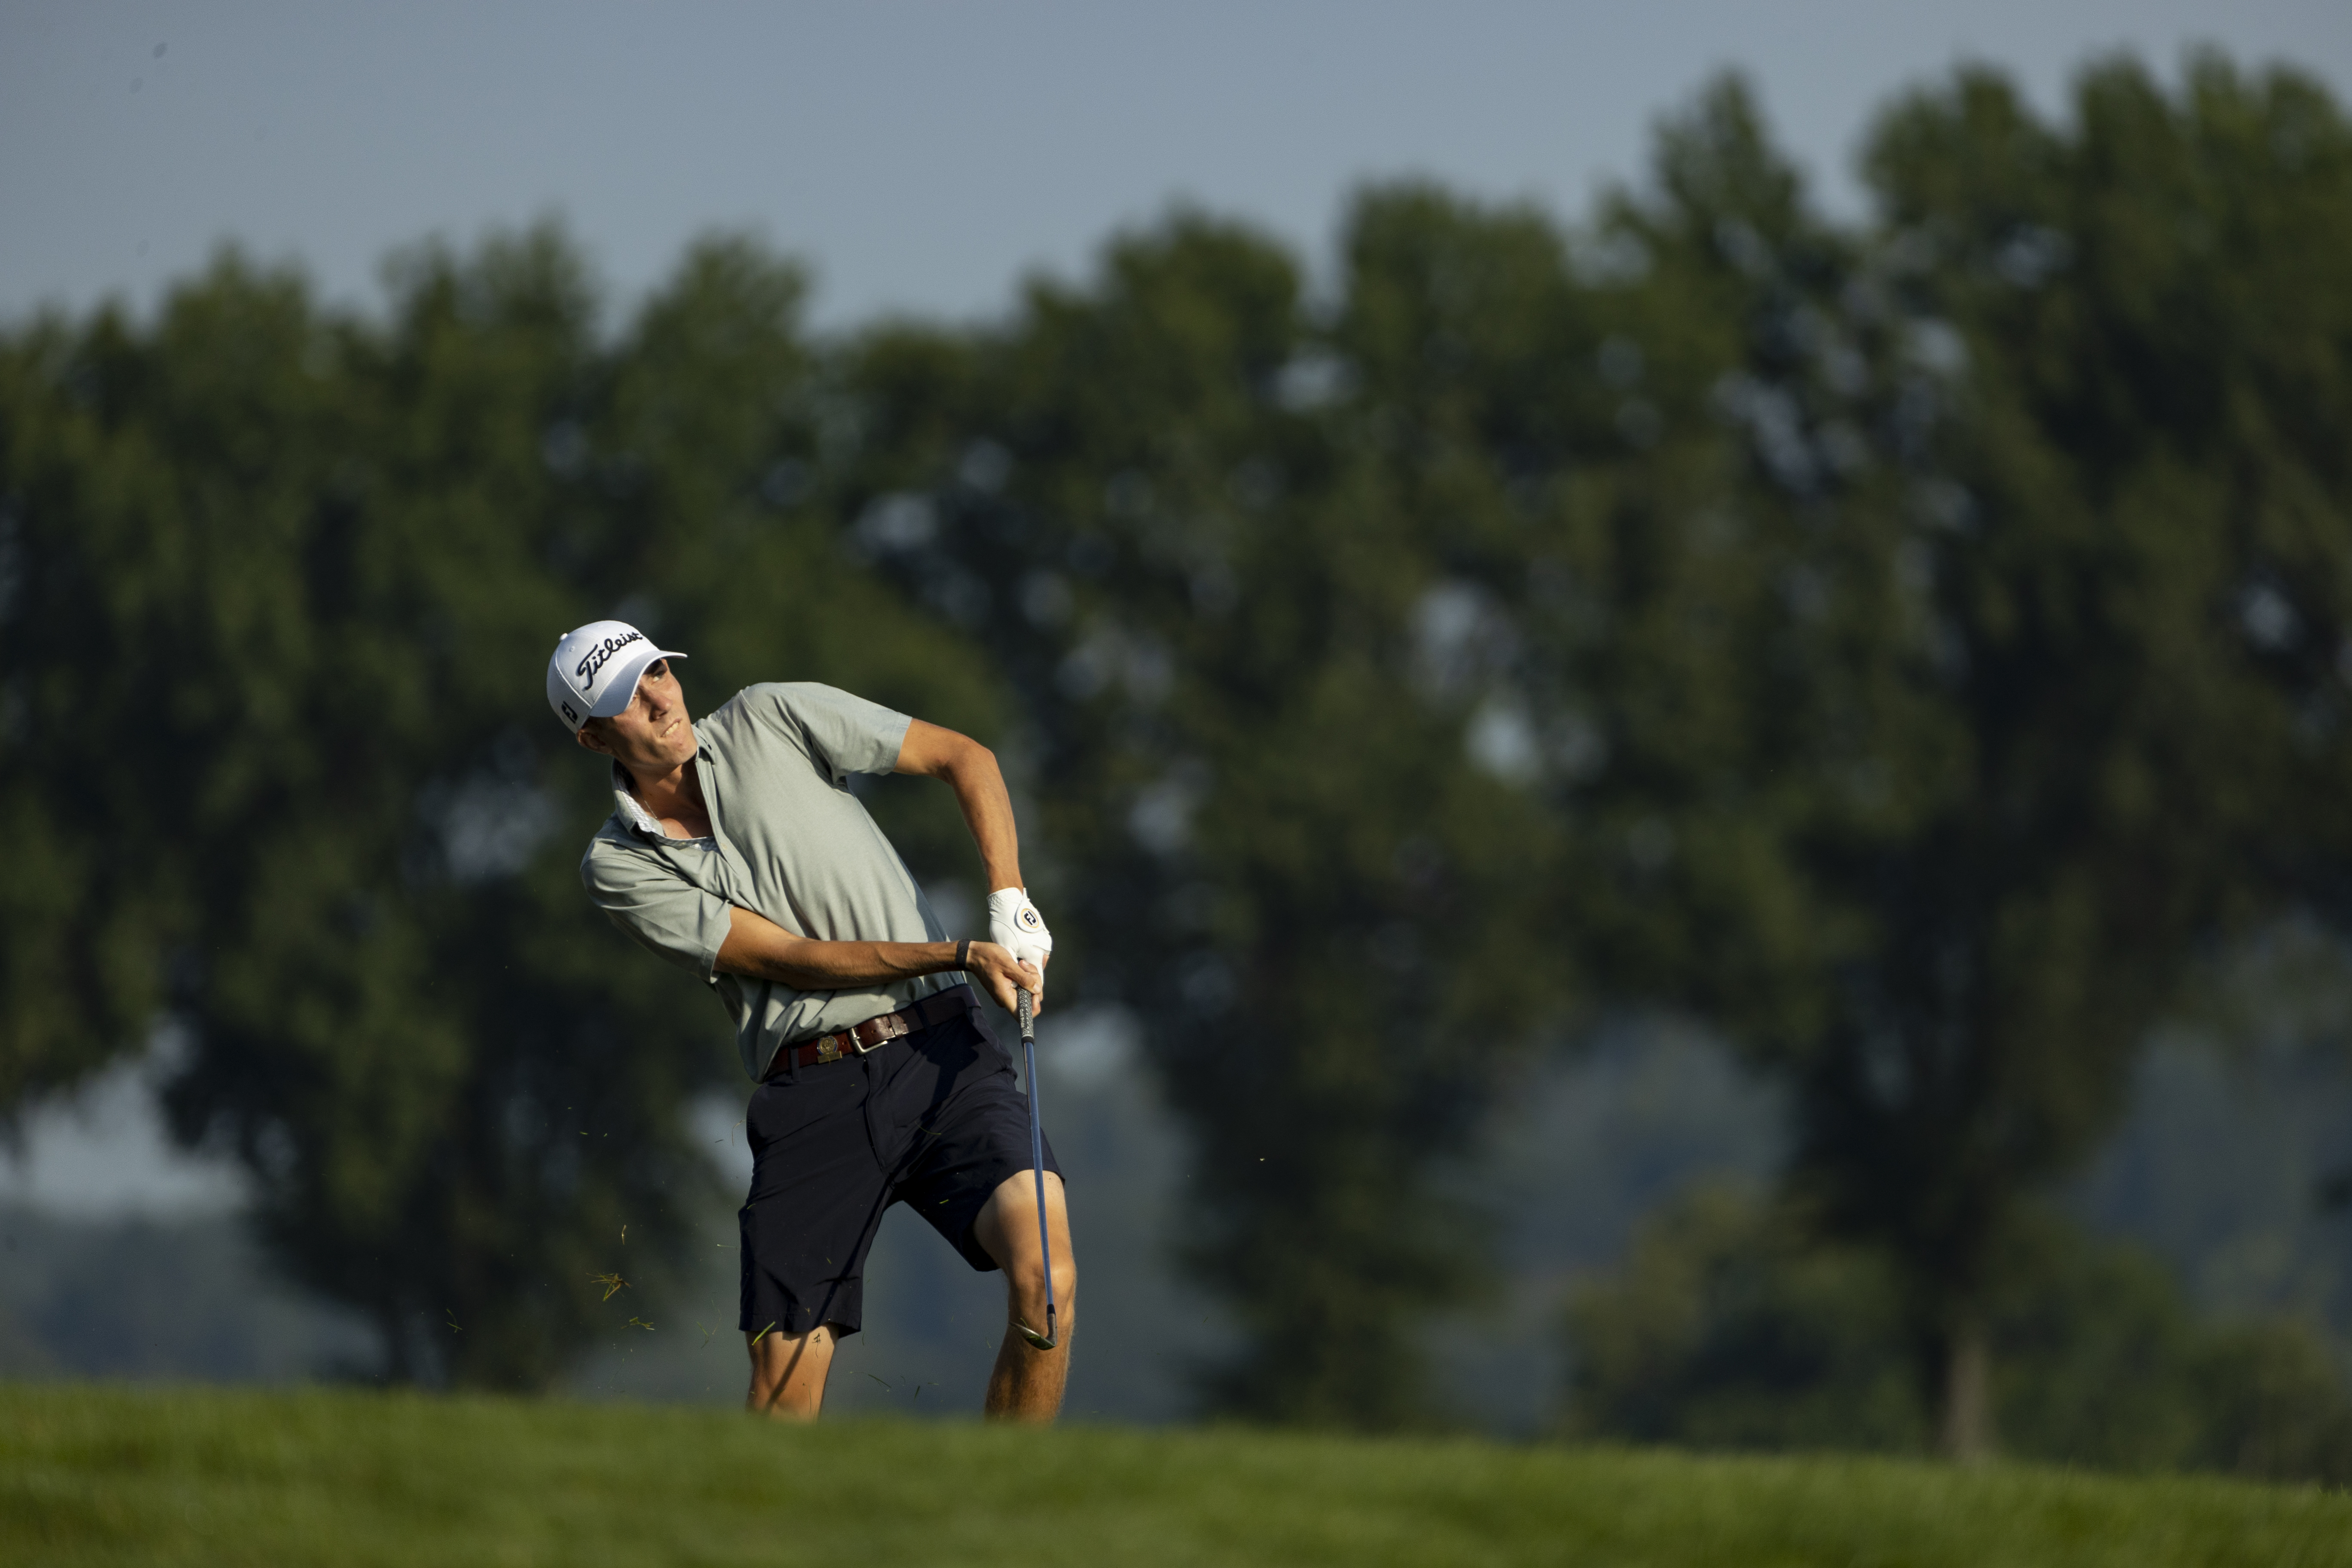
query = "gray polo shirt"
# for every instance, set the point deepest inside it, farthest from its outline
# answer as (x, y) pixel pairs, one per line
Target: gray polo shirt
(789, 841)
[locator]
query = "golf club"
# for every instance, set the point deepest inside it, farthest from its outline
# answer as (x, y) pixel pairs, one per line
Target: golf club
(1043, 1342)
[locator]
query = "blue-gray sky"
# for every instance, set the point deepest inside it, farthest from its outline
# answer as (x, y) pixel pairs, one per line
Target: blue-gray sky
(923, 155)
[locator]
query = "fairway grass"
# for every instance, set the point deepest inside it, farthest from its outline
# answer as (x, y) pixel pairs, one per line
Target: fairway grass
(92, 1474)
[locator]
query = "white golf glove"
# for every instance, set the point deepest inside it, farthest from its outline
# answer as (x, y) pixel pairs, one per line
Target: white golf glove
(1014, 924)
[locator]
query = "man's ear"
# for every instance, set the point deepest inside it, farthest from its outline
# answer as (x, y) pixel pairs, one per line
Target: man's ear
(587, 736)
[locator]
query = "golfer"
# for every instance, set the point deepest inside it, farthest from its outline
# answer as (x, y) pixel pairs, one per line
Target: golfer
(735, 850)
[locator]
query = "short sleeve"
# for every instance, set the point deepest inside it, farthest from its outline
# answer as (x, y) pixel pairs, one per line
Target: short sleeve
(664, 912)
(844, 734)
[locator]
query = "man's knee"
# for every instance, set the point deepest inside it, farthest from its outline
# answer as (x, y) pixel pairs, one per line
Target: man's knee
(1028, 1277)
(780, 1359)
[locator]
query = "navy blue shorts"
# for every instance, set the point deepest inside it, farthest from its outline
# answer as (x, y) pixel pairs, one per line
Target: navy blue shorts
(935, 1119)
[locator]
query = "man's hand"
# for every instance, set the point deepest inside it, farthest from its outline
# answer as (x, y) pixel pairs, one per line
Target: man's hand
(1001, 974)
(1014, 924)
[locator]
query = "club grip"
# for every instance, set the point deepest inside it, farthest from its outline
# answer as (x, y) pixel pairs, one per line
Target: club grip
(1026, 1032)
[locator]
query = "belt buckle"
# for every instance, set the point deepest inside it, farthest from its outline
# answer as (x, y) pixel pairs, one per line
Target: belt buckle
(860, 1047)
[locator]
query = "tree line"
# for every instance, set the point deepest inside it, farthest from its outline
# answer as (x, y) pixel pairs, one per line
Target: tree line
(1910, 646)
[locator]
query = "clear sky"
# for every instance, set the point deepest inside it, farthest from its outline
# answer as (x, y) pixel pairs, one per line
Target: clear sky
(923, 155)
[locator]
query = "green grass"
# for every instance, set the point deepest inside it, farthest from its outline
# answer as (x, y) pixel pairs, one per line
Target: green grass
(108, 1475)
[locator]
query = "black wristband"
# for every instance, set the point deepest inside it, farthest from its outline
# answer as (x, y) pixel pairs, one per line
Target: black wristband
(963, 952)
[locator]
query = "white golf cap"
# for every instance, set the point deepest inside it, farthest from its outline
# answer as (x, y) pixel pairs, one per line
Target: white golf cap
(594, 671)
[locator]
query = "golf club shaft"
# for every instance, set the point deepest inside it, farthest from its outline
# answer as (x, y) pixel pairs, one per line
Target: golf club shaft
(1037, 1160)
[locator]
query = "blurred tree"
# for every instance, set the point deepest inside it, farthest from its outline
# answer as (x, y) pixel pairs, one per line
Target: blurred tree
(1733, 1325)
(274, 690)
(1260, 812)
(1967, 703)
(290, 580)
(1908, 649)
(2124, 554)
(1711, 670)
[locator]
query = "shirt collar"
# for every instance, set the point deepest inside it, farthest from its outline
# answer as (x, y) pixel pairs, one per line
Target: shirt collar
(625, 805)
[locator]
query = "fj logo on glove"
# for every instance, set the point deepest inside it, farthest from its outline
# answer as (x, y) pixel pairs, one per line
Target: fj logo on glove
(1029, 917)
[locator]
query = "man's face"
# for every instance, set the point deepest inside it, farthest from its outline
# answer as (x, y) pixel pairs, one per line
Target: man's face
(652, 734)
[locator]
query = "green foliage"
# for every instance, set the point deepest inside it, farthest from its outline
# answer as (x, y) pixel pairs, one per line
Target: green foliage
(287, 581)
(2113, 656)
(91, 1476)
(1733, 1326)
(1256, 807)
(1729, 1326)
(1907, 649)
(1962, 643)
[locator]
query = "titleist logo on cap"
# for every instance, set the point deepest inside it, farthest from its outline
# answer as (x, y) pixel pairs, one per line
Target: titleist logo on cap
(598, 657)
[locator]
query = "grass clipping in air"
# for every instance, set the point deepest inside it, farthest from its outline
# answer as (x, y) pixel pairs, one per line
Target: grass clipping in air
(103, 1475)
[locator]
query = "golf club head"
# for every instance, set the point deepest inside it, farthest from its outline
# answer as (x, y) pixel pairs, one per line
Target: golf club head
(1045, 1340)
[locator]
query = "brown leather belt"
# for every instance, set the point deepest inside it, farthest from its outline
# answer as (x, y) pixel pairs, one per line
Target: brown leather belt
(859, 1038)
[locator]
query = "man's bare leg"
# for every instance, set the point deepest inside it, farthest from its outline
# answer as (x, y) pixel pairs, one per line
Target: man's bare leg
(1027, 1382)
(788, 1372)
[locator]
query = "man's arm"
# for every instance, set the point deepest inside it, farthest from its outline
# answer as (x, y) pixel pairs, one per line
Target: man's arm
(759, 949)
(969, 769)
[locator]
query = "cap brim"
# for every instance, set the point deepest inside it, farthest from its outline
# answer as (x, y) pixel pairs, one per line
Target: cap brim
(622, 688)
